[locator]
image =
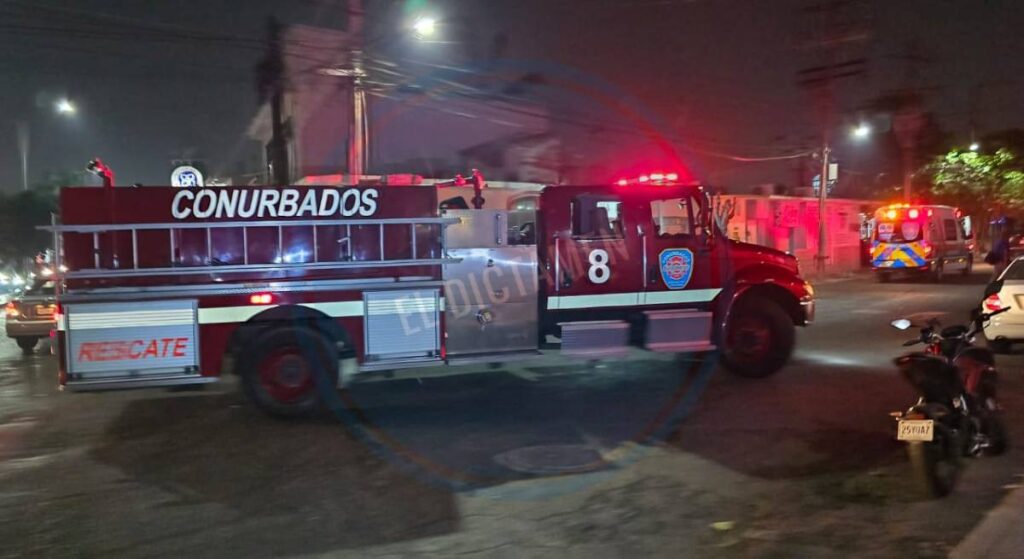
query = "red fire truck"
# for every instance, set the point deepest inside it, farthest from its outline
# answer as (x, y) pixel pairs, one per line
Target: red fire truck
(294, 287)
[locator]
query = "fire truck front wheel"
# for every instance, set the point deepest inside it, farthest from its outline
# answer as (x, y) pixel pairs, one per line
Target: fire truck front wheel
(284, 369)
(759, 338)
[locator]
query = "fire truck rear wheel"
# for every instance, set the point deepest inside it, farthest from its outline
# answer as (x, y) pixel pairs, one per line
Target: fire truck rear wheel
(759, 338)
(284, 369)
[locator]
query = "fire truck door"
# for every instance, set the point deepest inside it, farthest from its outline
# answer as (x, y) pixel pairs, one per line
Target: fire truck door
(680, 266)
(597, 256)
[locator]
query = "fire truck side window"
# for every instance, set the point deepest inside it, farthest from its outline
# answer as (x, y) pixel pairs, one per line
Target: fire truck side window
(672, 217)
(596, 217)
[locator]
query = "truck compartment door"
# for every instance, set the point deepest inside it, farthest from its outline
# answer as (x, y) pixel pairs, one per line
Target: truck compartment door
(402, 327)
(491, 292)
(127, 345)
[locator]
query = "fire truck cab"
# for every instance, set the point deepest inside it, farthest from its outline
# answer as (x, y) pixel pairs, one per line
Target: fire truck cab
(298, 288)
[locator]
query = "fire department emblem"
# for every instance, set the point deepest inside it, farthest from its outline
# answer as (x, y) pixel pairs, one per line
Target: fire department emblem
(676, 267)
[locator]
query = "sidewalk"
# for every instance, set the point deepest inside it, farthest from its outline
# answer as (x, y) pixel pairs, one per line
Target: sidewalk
(1000, 534)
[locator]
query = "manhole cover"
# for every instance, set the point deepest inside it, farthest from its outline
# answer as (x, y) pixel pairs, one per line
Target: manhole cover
(552, 459)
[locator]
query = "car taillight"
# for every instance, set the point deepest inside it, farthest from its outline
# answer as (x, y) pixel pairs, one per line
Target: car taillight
(58, 314)
(993, 303)
(11, 310)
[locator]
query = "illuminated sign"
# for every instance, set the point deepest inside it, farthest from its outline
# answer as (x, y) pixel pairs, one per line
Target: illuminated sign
(186, 175)
(267, 203)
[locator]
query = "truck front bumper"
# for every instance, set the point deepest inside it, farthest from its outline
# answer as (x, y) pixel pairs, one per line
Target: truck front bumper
(808, 307)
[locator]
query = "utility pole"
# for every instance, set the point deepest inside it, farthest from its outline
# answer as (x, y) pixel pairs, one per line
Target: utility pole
(270, 84)
(835, 24)
(358, 140)
(23, 145)
(358, 144)
(907, 124)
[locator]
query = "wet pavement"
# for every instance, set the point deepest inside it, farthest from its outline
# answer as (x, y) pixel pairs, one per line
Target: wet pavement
(644, 456)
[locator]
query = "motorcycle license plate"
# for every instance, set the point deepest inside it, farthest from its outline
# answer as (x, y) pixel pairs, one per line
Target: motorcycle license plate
(915, 430)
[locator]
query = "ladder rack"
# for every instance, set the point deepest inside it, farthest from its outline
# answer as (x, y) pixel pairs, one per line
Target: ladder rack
(175, 267)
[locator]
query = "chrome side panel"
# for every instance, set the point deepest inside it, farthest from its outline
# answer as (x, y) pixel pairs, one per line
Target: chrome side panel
(491, 288)
(491, 300)
(678, 331)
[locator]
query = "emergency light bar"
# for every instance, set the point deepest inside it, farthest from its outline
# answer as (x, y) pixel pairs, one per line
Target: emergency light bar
(652, 178)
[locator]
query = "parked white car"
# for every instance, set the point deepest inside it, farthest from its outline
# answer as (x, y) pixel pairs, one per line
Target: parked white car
(1007, 291)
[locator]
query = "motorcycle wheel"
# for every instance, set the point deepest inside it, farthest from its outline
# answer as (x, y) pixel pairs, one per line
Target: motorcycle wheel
(936, 465)
(995, 428)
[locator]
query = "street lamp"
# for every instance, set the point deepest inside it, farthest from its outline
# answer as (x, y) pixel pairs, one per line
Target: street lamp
(862, 131)
(975, 146)
(424, 27)
(61, 107)
(65, 107)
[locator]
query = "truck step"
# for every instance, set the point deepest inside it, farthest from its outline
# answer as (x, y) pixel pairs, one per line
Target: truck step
(597, 338)
(678, 331)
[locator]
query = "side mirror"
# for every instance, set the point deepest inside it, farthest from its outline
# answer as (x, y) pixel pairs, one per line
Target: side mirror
(900, 324)
(707, 220)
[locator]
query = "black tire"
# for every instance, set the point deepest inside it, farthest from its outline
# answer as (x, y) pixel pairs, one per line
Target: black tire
(284, 369)
(27, 345)
(936, 465)
(759, 338)
(998, 440)
(969, 268)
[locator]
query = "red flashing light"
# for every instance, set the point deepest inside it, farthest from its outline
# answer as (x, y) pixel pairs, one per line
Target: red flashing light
(891, 214)
(672, 176)
(913, 213)
(644, 178)
(958, 213)
(622, 182)
(261, 299)
(657, 176)
(930, 213)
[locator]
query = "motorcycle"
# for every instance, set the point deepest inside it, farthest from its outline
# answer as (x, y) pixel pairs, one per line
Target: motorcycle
(956, 414)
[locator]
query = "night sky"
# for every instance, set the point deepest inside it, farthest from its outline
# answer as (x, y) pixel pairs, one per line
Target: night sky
(155, 81)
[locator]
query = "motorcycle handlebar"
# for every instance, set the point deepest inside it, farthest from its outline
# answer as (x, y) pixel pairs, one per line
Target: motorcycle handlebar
(993, 313)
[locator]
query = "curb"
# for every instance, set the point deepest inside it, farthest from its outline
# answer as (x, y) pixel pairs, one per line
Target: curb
(999, 535)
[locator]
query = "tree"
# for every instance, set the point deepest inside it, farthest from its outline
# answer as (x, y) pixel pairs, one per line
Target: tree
(980, 183)
(20, 214)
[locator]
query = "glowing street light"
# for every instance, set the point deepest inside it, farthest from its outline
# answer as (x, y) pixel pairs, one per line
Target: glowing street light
(975, 146)
(424, 27)
(862, 131)
(65, 107)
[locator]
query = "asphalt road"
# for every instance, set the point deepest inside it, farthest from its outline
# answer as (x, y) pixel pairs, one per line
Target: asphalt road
(642, 456)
